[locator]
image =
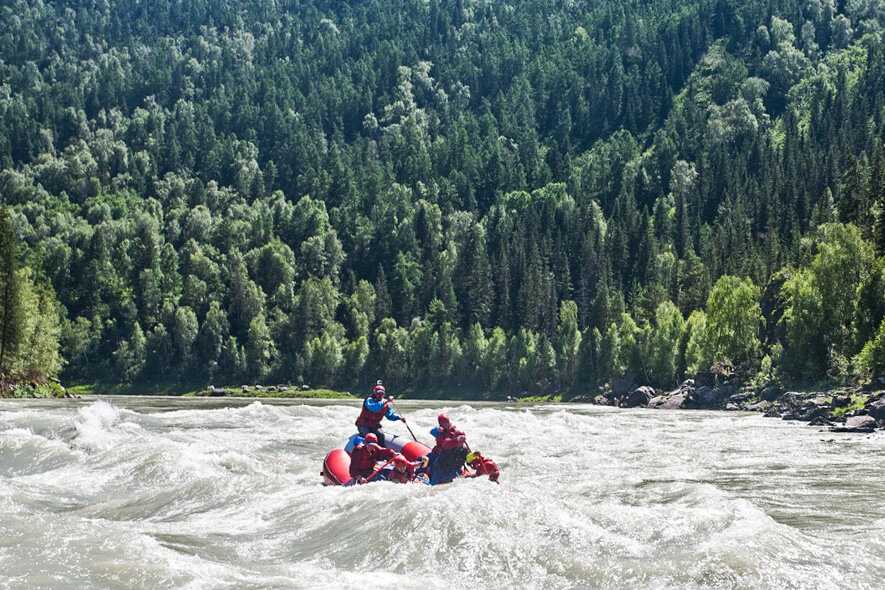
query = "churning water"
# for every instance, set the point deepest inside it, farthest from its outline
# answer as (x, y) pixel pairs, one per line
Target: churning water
(147, 493)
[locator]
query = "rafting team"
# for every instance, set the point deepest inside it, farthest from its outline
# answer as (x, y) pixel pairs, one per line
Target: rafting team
(448, 459)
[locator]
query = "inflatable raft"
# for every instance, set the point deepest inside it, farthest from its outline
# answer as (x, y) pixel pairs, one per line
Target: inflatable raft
(336, 465)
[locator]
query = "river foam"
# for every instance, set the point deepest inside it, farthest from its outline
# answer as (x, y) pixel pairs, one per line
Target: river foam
(132, 493)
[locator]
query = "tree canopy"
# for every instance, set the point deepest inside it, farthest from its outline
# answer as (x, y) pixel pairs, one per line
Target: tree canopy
(503, 195)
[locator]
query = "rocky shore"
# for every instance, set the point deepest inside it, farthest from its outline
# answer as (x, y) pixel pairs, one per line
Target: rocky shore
(855, 410)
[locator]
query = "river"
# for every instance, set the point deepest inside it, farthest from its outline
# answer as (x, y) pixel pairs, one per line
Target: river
(174, 493)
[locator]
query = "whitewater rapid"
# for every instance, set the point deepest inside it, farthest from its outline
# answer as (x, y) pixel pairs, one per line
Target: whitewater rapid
(154, 493)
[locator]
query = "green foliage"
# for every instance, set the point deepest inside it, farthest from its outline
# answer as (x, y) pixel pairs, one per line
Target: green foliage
(824, 305)
(664, 344)
(38, 356)
(11, 312)
(733, 321)
(329, 191)
(698, 353)
(870, 362)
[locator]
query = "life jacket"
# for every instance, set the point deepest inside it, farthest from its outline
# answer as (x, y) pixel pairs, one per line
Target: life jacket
(450, 438)
(364, 456)
(485, 466)
(370, 419)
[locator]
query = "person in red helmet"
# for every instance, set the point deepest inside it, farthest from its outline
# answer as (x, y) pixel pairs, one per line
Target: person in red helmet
(447, 457)
(375, 409)
(482, 466)
(365, 455)
(403, 470)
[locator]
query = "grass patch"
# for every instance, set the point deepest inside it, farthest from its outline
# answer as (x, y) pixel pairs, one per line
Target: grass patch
(170, 389)
(294, 393)
(857, 402)
(540, 399)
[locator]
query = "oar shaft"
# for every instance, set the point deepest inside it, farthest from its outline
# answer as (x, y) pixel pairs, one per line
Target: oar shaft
(409, 428)
(377, 471)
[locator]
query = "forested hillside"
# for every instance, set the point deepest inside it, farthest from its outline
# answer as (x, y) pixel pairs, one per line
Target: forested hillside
(492, 196)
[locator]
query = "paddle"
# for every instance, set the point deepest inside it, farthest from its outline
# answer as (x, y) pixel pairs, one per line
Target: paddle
(377, 471)
(404, 422)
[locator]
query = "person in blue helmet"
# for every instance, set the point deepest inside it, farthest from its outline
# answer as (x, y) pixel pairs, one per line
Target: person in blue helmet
(375, 409)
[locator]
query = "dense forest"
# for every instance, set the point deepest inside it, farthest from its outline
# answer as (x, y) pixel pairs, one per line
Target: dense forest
(486, 196)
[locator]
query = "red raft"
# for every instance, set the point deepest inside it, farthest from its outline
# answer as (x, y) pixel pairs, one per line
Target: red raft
(336, 465)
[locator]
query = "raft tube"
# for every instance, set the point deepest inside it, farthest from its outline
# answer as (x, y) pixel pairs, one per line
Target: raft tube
(336, 465)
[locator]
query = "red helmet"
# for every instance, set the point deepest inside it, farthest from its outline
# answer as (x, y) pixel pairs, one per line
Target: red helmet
(444, 421)
(371, 438)
(378, 391)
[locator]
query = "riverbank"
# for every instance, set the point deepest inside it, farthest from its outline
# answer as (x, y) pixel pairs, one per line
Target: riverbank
(18, 389)
(858, 409)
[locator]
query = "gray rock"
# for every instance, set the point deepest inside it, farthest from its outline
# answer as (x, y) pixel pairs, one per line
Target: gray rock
(840, 401)
(772, 412)
(216, 391)
(819, 421)
(638, 397)
(705, 379)
(622, 386)
(762, 406)
(860, 424)
(657, 401)
(876, 409)
(732, 407)
(791, 398)
(770, 392)
(740, 398)
(601, 400)
(706, 396)
(674, 402)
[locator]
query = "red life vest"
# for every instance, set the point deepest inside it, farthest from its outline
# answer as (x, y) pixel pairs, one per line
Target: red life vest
(364, 456)
(450, 438)
(485, 466)
(370, 419)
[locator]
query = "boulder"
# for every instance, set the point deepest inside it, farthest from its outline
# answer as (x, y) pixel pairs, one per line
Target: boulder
(601, 400)
(861, 424)
(791, 398)
(762, 406)
(876, 409)
(216, 391)
(657, 401)
(809, 413)
(705, 379)
(622, 386)
(772, 412)
(840, 401)
(674, 402)
(706, 396)
(770, 392)
(819, 421)
(638, 397)
(740, 398)
(732, 407)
